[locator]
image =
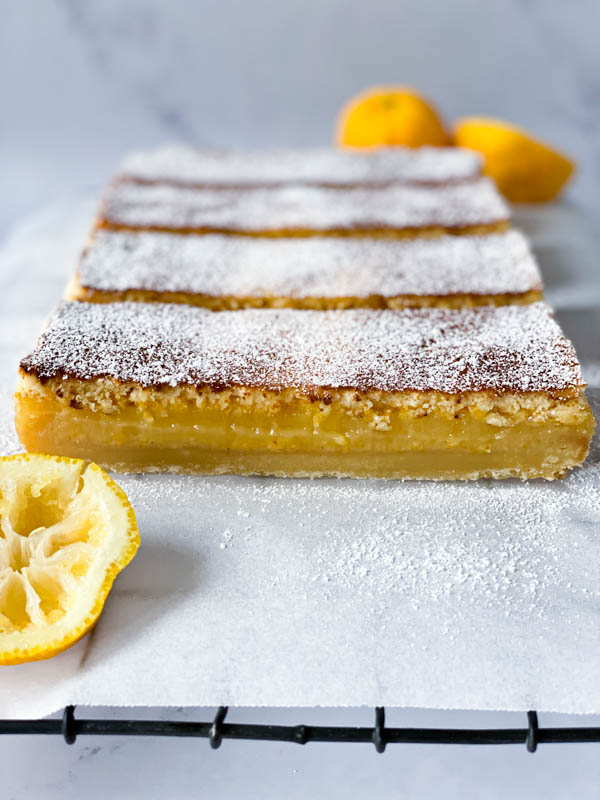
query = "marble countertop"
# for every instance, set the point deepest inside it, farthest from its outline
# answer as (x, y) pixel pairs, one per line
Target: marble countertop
(154, 769)
(90, 81)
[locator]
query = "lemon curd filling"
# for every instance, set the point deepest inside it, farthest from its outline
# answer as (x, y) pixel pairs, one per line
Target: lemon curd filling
(343, 433)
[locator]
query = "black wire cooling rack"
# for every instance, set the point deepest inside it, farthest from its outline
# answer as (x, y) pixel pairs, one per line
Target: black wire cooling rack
(379, 735)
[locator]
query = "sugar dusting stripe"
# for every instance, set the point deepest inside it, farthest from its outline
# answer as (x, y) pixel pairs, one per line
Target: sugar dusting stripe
(294, 207)
(510, 348)
(331, 166)
(217, 265)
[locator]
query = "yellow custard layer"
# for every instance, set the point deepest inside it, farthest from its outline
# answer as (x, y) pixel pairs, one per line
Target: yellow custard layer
(415, 435)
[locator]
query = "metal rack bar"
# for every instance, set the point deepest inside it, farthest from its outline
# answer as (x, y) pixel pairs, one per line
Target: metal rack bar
(380, 736)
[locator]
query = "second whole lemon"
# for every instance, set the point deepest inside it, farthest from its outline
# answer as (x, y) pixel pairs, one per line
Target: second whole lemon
(389, 116)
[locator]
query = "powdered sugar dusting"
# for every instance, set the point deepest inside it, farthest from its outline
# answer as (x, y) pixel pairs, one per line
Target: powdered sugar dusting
(219, 265)
(303, 208)
(185, 165)
(508, 348)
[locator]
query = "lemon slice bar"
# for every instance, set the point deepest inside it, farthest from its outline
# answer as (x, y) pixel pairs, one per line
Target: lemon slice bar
(230, 272)
(415, 393)
(394, 211)
(322, 166)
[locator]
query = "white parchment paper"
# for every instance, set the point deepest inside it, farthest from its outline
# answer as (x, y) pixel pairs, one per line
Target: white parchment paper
(271, 592)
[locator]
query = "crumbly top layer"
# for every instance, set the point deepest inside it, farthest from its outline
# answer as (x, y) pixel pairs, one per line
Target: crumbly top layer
(219, 265)
(325, 166)
(137, 205)
(504, 349)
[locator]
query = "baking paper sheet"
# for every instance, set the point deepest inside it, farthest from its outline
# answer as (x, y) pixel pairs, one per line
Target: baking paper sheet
(258, 591)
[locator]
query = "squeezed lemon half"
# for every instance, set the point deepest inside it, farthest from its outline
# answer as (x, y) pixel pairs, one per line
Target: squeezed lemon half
(526, 170)
(66, 531)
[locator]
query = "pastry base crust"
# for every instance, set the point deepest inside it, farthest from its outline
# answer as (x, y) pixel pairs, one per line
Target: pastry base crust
(377, 233)
(75, 291)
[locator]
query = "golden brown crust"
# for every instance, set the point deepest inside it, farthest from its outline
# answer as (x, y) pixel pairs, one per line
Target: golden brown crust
(76, 291)
(109, 395)
(378, 233)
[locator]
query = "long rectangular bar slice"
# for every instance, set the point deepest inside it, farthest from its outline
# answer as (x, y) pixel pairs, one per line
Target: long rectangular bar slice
(229, 272)
(320, 166)
(397, 211)
(417, 393)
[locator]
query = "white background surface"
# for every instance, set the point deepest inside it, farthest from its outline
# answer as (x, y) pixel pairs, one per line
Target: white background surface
(86, 80)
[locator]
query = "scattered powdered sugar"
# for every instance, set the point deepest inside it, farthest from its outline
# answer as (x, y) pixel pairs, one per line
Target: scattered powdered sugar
(218, 265)
(507, 348)
(294, 207)
(330, 166)
(227, 539)
(397, 543)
